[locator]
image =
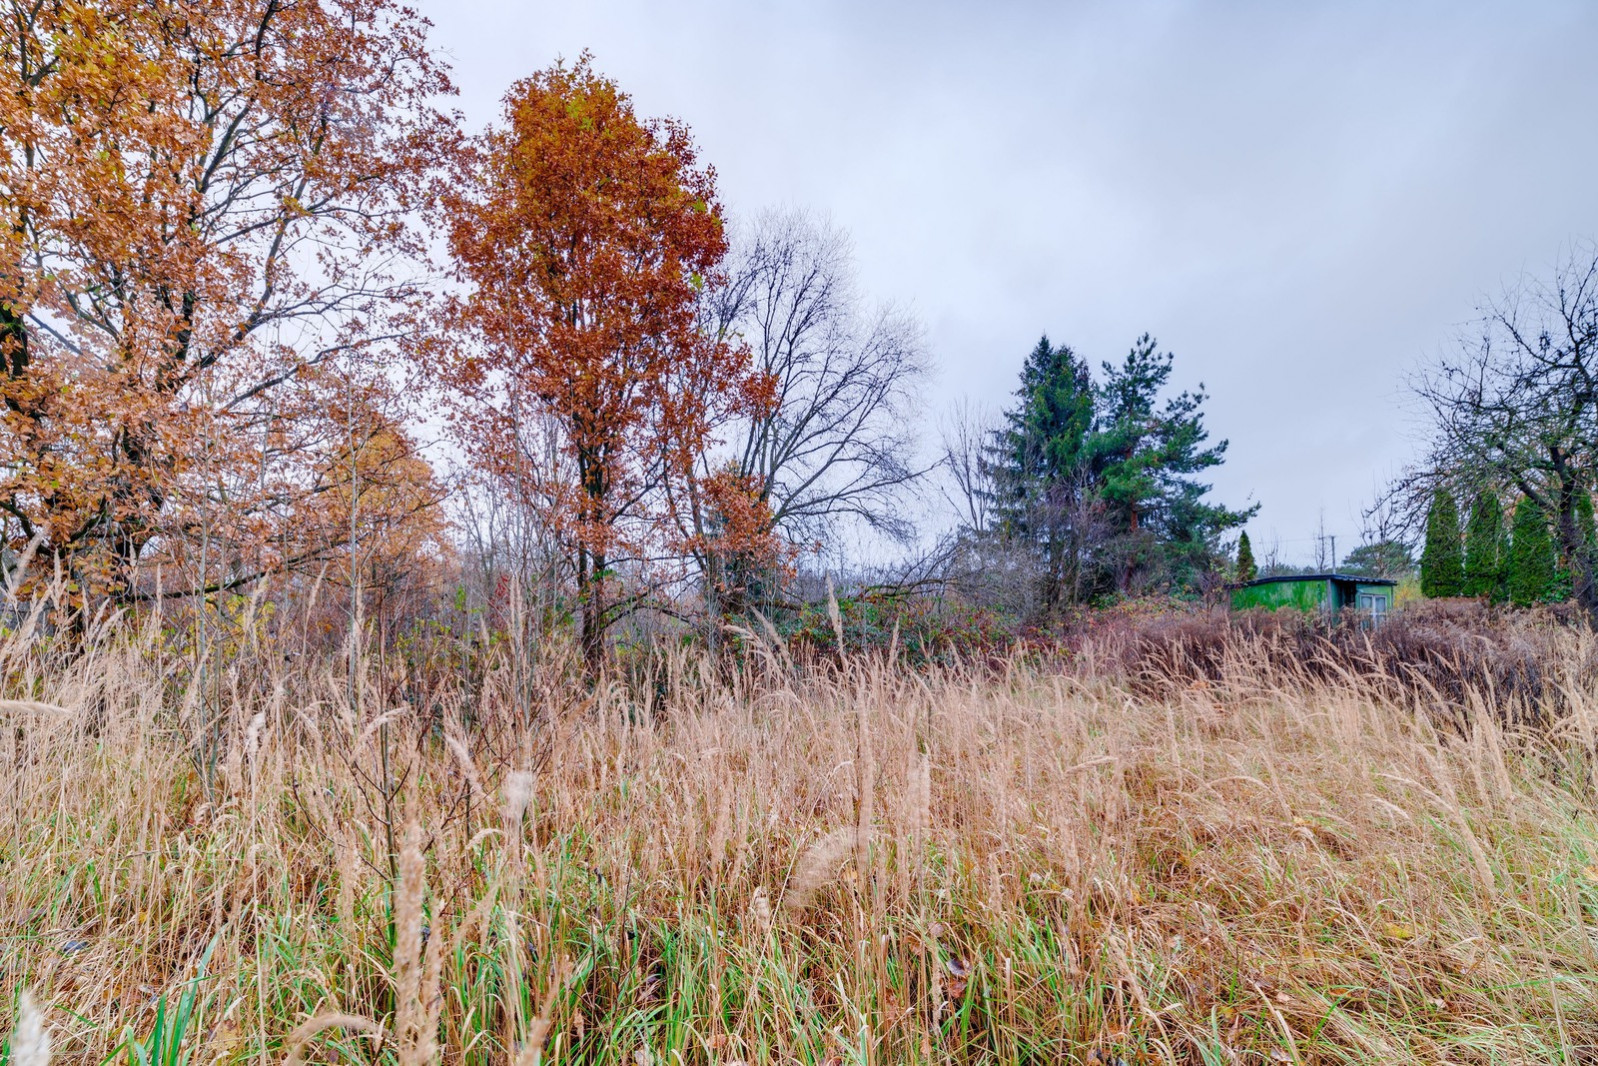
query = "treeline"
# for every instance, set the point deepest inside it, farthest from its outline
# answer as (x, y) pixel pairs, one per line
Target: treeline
(250, 255)
(1516, 562)
(1514, 449)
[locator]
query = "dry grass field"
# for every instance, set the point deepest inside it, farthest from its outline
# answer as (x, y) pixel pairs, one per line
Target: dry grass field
(843, 864)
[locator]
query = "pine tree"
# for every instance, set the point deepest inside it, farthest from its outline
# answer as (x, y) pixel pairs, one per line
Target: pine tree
(1246, 570)
(1146, 451)
(1531, 566)
(1484, 544)
(1442, 569)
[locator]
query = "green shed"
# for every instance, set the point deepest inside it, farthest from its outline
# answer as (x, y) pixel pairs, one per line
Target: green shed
(1327, 593)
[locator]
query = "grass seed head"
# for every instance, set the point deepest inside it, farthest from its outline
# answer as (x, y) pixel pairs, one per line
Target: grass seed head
(818, 866)
(518, 795)
(30, 1040)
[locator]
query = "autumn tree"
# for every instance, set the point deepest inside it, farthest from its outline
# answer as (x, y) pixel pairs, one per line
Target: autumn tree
(382, 494)
(205, 213)
(741, 557)
(585, 237)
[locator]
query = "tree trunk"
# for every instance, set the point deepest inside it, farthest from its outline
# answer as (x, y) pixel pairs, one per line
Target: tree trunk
(591, 596)
(1573, 546)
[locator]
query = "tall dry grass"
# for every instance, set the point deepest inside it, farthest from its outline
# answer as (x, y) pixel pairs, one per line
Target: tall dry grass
(824, 866)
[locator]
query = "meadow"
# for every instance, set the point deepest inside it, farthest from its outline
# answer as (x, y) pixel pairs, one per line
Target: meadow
(1071, 858)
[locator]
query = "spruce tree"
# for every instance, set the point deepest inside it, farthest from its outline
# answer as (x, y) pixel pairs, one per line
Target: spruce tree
(1036, 463)
(1530, 577)
(1246, 570)
(1442, 567)
(1484, 543)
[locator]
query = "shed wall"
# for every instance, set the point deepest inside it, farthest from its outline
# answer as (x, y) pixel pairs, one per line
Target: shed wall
(1304, 595)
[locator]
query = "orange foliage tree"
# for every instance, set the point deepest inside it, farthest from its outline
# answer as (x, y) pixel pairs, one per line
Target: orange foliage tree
(734, 541)
(385, 498)
(585, 237)
(203, 229)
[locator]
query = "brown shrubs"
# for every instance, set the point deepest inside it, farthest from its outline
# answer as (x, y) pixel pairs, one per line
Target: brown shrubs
(1446, 656)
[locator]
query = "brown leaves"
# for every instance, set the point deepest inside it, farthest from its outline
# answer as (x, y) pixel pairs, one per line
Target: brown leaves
(203, 201)
(587, 235)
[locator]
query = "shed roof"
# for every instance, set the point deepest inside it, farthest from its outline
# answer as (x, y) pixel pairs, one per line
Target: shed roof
(1317, 577)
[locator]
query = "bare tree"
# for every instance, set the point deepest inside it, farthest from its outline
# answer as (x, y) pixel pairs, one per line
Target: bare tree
(987, 562)
(1516, 407)
(509, 524)
(1386, 520)
(838, 443)
(965, 486)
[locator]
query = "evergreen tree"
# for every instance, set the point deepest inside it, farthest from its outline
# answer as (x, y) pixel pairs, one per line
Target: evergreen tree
(1484, 546)
(1580, 560)
(1144, 455)
(1098, 483)
(1501, 593)
(1442, 569)
(1246, 570)
(1531, 564)
(1036, 465)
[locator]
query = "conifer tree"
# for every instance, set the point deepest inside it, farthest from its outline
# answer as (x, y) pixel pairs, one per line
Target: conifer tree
(1100, 482)
(1484, 545)
(1442, 568)
(1246, 570)
(1036, 465)
(1146, 455)
(1531, 568)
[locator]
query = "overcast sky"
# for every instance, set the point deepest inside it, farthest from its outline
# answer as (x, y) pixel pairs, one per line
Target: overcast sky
(1301, 201)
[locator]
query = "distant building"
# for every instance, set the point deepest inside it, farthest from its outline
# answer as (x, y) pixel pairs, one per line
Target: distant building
(1326, 593)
